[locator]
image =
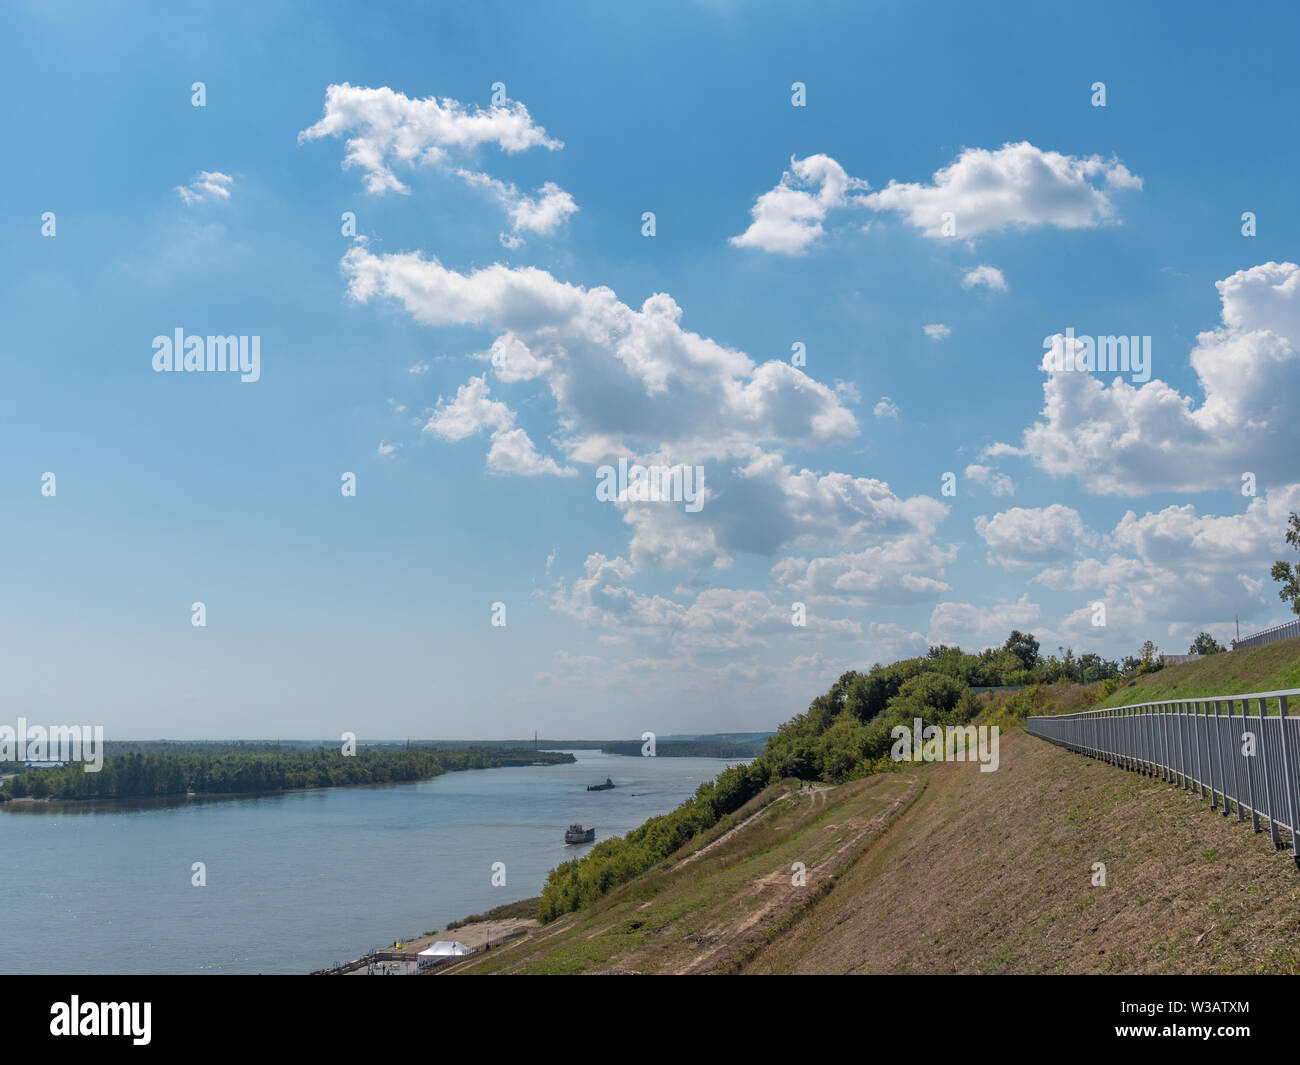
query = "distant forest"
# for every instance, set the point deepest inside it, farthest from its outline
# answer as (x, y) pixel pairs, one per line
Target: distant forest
(162, 769)
(687, 748)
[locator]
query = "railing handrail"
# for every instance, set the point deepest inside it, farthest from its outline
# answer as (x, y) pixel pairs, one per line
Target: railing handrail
(1284, 630)
(1271, 628)
(1181, 699)
(1242, 759)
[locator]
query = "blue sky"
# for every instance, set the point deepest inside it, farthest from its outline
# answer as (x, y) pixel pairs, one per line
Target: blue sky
(484, 343)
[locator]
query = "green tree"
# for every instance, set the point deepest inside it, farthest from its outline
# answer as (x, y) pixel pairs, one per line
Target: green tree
(1151, 660)
(935, 698)
(1287, 575)
(1205, 644)
(1094, 668)
(1024, 646)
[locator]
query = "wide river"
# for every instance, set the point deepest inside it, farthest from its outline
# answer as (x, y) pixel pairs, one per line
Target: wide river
(302, 880)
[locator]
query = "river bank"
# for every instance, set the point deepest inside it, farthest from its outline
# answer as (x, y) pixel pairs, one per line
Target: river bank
(304, 880)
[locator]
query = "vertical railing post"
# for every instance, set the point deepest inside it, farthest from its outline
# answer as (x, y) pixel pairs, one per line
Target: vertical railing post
(1182, 740)
(1135, 738)
(1147, 748)
(1129, 745)
(1158, 731)
(1192, 709)
(1262, 747)
(1164, 736)
(1235, 752)
(1286, 776)
(1204, 713)
(1148, 741)
(1223, 776)
(1187, 745)
(1185, 748)
(1250, 768)
(1157, 722)
(1162, 747)
(1153, 755)
(1140, 739)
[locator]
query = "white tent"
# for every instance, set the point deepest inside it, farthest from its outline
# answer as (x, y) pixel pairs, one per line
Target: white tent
(445, 949)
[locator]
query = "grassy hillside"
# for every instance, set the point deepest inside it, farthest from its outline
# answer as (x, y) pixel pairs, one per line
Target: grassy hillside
(721, 898)
(942, 868)
(1010, 709)
(992, 873)
(1273, 667)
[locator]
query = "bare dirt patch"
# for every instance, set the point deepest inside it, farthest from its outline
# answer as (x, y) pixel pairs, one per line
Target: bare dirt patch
(773, 902)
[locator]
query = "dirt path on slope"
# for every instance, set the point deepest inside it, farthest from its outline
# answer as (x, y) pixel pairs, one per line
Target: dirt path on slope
(809, 790)
(778, 902)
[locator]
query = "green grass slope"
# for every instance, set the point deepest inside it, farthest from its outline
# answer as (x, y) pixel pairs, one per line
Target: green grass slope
(944, 869)
(993, 873)
(721, 898)
(1273, 667)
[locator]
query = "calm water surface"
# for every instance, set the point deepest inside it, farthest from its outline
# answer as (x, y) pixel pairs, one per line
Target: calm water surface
(299, 881)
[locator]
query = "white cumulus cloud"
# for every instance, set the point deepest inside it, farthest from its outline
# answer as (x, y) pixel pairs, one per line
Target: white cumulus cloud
(472, 412)
(1028, 536)
(1182, 566)
(788, 218)
(387, 129)
(989, 277)
(1017, 185)
(972, 626)
(1120, 439)
(997, 483)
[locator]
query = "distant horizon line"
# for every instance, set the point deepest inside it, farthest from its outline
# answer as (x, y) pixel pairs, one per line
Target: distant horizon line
(441, 739)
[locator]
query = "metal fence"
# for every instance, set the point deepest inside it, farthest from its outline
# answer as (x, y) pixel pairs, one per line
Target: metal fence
(1231, 749)
(1285, 631)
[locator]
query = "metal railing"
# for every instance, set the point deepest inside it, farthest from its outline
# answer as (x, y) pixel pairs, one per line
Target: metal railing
(1245, 757)
(1285, 631)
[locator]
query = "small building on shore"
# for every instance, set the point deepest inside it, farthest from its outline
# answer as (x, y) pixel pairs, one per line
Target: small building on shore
(441, 951)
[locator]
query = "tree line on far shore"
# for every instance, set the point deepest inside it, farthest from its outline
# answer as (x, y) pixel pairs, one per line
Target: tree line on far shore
(137, 775)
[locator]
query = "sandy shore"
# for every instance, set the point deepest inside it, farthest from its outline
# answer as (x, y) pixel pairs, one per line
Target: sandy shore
(473, 935)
